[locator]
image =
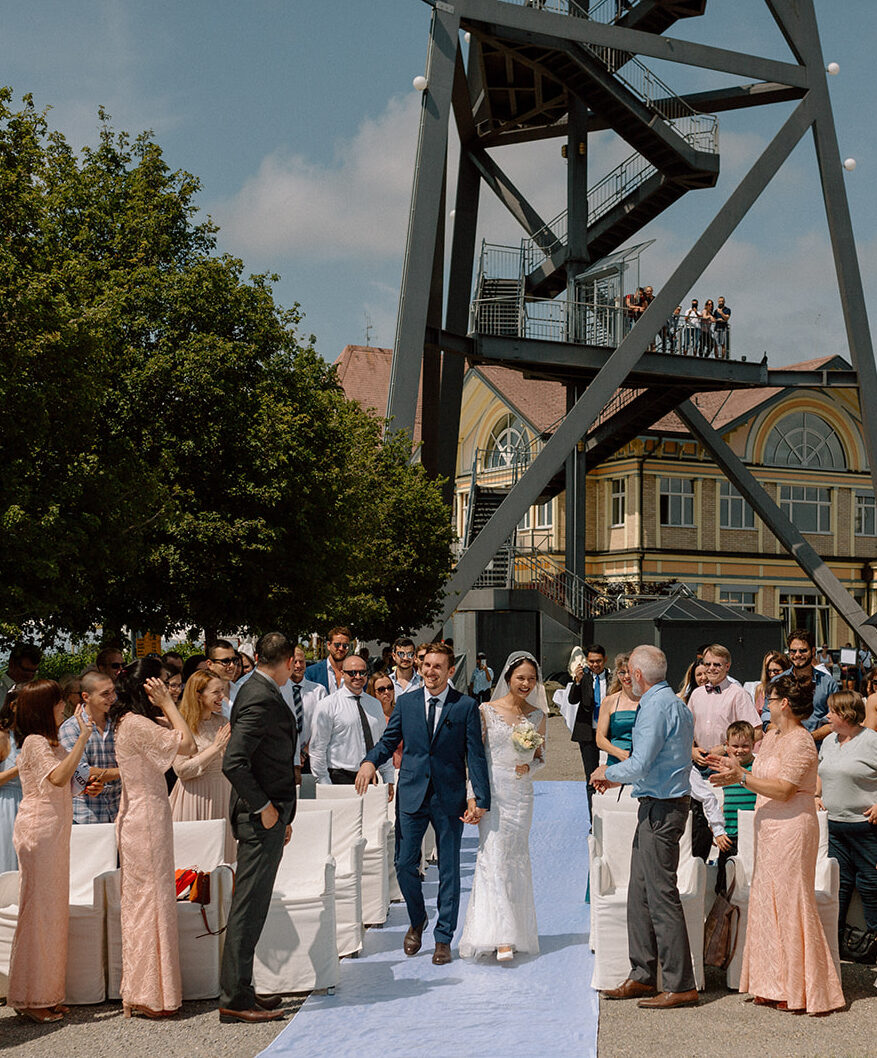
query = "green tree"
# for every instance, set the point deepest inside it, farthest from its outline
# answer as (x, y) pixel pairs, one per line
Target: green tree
(173, 454)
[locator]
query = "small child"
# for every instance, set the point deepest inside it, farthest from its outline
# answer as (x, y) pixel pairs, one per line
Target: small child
(739, 744)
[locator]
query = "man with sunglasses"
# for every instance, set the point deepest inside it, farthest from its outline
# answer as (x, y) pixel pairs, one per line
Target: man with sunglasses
(110, 661)
(801, 650)
(24, 664)
(223, 664)
(404, 676)
(328, 672)
(346, 726)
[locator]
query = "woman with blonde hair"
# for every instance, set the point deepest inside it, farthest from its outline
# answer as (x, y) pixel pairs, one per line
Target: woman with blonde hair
(202, 791)
(618, 713)
(774, 664)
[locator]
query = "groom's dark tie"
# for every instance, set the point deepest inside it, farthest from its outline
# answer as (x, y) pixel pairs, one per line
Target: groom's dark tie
(366, 730)
(430, 716)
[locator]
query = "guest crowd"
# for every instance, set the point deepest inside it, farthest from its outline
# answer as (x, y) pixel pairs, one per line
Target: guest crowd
(695, 331)
(142, 744)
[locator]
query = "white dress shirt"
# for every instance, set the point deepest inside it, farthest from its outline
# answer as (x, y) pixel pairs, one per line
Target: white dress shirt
(438, 709)
(337, 739)
(311, 693)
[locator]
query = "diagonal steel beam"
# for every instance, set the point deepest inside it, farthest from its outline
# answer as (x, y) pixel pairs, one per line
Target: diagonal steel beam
(549, 461)
(423, 221)
(509, 195)
(778, 523)
(507, 21)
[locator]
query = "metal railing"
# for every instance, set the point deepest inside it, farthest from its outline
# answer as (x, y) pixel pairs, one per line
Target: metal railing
(533, 570)
(701, 130)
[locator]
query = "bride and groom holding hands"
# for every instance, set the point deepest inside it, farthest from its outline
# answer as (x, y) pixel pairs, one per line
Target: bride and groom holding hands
(444, 734)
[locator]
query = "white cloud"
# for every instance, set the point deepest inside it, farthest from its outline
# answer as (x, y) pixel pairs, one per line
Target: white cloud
(357, 204)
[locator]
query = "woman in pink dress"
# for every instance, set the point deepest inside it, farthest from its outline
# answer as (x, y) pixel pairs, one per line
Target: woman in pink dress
(202, 791)
(787, 963)
(38, 964)
(145, 748)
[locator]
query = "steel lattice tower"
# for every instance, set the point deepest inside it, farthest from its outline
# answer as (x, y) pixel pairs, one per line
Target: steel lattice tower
(547, 69)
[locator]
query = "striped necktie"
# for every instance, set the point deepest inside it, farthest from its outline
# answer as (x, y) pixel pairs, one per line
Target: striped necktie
(299, 712)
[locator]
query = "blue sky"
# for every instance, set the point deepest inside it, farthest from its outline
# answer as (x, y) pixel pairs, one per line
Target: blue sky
(300, 120)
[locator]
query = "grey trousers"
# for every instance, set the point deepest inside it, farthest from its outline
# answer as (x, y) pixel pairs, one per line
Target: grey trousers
(259, 855)
(655, 923)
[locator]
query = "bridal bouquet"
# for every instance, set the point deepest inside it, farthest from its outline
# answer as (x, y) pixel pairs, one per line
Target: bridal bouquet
(526, 738)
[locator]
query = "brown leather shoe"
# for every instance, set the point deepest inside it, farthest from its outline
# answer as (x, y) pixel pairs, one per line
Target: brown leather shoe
(414, 938)
(629, 990)
(442, 954)
(254, 1015)
(268, 1002)
(669, 1000)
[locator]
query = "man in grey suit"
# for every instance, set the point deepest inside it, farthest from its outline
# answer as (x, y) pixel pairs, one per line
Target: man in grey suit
(259, 763)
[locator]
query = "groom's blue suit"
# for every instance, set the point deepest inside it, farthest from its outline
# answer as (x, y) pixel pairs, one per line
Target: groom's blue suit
(432, 789)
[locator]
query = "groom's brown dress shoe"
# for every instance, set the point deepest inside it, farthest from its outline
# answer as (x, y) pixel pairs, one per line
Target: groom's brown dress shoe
(253, 1016)
(442, 954)
(669, 1000)
(414, 938)
(629, 990)
(268, 1002)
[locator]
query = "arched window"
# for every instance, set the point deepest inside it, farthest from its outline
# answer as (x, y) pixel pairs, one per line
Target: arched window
(507, 438)
(803, 439)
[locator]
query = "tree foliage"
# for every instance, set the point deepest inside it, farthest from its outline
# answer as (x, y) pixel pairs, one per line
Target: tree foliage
(173, 454)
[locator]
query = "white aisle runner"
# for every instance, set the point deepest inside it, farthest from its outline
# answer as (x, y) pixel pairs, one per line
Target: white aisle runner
(389, 1004)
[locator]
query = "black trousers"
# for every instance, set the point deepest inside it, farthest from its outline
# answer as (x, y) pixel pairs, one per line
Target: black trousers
(342, 777)
(655, 922)
(590, 759)
(701, 835)
(259, 855)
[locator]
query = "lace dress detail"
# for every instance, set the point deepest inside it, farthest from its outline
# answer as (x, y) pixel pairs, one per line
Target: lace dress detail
(786, 956)
(501, 906)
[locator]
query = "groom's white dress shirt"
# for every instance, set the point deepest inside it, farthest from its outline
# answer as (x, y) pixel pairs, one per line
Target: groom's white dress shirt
(311, 695)
(337, 739)
(438, 709)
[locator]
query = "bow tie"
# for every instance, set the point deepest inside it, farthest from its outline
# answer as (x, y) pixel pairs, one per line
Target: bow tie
(713, 688)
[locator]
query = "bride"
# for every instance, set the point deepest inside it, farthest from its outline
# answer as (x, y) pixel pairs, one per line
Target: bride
(501, 917)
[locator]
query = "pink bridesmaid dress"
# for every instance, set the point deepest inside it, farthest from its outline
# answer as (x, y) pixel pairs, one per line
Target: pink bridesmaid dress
(38, 964)
(150, 940)
(787, 958)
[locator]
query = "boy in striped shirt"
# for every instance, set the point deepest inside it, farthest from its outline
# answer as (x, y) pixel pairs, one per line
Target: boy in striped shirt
(739, 743)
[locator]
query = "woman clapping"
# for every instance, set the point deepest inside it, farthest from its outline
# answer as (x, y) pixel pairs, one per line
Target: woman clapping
(38, 964)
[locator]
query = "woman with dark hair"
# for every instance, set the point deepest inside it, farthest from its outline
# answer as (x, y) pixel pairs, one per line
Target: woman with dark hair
(192, 664)
(848, 791)
(501, 918)
(145, 748)
(787, 963)
(38, 963)
(10, 784)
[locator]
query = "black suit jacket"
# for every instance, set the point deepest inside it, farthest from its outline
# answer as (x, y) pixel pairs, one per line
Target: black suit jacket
(259, 760)
(583, 694)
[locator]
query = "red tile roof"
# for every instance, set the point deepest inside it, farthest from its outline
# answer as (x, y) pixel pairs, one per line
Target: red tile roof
(364, 373)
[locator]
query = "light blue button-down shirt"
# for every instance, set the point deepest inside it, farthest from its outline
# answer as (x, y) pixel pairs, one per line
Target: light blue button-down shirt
(823, 686)
(659, 764)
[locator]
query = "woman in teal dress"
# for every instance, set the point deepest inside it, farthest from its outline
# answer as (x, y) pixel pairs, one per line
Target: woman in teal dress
(617, 714)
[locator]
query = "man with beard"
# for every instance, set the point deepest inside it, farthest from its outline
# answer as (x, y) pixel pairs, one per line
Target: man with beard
(801, 650)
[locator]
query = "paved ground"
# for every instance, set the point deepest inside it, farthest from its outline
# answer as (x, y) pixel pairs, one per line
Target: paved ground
(723, 1025)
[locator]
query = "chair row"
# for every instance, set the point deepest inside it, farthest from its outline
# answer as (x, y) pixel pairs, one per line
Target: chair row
(609, 846)
(94, 953)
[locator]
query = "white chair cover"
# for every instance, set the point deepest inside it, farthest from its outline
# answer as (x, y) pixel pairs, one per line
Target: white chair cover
(348, 846)
(375, 830)
(610, 848)
(298, 950)
(92, 858)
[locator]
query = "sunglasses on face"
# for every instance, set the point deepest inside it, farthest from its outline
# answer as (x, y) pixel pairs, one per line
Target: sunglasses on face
(384, 690)
(356, 674)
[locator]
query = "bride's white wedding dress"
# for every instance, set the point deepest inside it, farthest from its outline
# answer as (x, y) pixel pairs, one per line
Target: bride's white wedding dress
(501, 908)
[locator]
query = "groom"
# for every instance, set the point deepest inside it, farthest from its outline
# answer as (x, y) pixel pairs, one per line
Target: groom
(441, 732)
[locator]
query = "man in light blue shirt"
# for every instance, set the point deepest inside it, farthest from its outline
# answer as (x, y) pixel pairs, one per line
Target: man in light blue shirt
(659, 767)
